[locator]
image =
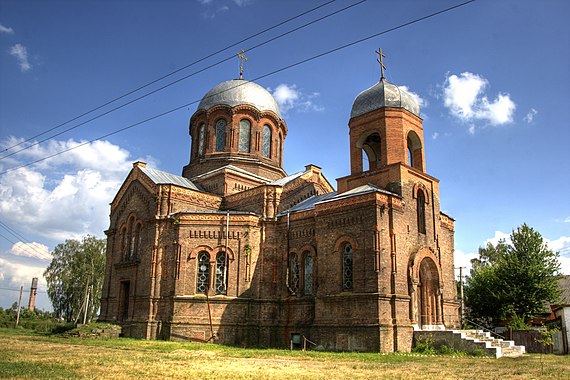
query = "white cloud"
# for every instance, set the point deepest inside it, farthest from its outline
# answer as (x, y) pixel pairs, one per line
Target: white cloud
(435, 135)
(463, 259)
(289, 97)
(35, 250)
(242, 3)
(67, 196)
(499, 235)
(21, 53)
(567, 220)
(17, 274)
(5, 29)
(530, 115)
(421, 101)
(465, 97)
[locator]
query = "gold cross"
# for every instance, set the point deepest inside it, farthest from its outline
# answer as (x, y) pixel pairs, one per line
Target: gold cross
(381, 62)
(243, 59)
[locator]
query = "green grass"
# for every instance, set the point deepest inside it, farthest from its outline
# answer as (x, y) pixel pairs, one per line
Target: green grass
(26, 354)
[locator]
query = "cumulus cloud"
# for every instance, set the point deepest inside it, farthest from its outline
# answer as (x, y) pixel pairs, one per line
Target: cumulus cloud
(17, 274)
(567, 220)
(35, 250)
(421, 101)
(289, 97)
(435, 135)
(68, 195)
(464, 96)
(5, 29)
(21, 53)
(530, 115)
(463, 260)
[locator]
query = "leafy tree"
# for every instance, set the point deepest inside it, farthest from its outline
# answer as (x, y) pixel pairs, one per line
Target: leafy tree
(75, 277)
(513, 281)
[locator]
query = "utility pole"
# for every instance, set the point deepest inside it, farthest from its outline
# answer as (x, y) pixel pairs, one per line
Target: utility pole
(462, 305)
(19, 305)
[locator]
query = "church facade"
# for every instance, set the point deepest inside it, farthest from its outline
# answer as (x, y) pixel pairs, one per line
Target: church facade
(236, 251)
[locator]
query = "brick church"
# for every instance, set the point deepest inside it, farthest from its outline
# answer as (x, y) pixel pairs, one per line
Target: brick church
(236, 251)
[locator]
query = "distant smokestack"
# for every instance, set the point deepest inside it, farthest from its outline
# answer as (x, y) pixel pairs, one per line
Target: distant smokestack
(33, 292)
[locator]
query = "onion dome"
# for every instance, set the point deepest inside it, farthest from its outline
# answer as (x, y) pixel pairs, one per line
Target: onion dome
(238, 91)
(383, 94)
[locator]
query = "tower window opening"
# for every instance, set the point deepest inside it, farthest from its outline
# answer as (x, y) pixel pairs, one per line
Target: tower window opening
(371, 152)
(220, 135)
(414, 155)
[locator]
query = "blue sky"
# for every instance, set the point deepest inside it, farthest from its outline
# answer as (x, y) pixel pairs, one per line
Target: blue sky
(492, 78)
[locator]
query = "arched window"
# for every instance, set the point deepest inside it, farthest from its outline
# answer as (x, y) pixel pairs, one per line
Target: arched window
(221, 273)
(203, 277)
(371, 152)
(421, 211)
(137, 240)
(132, 238)
(201, 136)
(278, 150)
(220, 135)
(347, 267)
(414, 151)
(266, 141)
(124, 243)
(293, 274)
(308, 274)
(244, 135)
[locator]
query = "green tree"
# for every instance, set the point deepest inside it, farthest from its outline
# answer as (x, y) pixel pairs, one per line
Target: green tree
(75, 278)
(513, 281)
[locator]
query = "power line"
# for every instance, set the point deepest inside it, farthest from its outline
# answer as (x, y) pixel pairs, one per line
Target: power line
(253, 80)
(179, 80)
(168, 75)
(28, 244)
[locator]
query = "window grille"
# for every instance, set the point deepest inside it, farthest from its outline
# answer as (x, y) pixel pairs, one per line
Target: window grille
(221, 273)
(203, 278)
(244, 135)
(294, 274)
(266, 142)
(220, 135)
(308, 278)
(421, 212)
(201, 135)
(347, 268)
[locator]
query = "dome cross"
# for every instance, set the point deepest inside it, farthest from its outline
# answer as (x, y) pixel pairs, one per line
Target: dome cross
(381, 62)
(243, 58)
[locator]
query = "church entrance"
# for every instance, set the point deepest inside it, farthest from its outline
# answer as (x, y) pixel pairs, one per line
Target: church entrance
(429, 305)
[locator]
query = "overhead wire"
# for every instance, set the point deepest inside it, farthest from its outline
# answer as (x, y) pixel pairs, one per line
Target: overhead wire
(176, 81)
(28, 245)
(400, 26)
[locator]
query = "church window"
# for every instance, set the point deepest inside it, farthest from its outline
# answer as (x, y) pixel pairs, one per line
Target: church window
(414, 150)
(220, 135)
(203, 278)
(132, 238)
(201, 136)
(308, 274)
(266, 141)
(421, 212)
(347, 267)
(137, 240)
(221, 273)
(293, 274)
(124, 243)
(244, 135)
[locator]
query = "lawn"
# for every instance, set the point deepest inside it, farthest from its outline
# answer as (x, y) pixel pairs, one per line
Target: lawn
(28, 355)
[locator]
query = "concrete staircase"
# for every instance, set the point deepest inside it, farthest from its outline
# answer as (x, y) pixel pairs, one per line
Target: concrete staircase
(473, 341)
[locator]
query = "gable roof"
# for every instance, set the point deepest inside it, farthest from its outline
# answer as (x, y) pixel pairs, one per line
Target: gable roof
(163, 178)
(564, 285)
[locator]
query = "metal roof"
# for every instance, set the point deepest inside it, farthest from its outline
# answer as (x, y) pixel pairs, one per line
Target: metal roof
(383, 94)
(160, 177)
(238, 91)
(285, 180)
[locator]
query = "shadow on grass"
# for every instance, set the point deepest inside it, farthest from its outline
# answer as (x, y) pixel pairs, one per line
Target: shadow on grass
(31, 370)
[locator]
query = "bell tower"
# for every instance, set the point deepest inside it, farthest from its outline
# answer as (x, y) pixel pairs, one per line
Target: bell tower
(385, 133)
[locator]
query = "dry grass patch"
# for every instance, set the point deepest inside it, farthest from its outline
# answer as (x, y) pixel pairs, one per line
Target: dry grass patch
(33, 356)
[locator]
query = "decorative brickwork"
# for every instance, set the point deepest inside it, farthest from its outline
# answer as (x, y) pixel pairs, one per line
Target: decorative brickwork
(236, 252)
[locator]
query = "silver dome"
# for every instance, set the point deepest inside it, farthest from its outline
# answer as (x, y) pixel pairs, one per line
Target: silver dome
(383, 94)
(238, 91)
